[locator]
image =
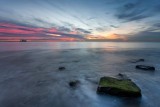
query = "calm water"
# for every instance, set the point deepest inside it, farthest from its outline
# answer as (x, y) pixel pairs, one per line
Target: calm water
(74, 45)
(29, 75)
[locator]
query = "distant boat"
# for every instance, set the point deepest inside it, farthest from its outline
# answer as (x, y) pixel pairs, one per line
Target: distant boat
(23, 40)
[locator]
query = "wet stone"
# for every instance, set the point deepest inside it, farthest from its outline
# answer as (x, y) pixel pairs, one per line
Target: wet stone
(118, 87)
(145, 67)
(137, 60)
(74, 83)
(61, 68)
(123, 76)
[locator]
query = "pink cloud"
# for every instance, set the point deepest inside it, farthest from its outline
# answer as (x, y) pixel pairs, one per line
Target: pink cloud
(17, 32)
(16, 29)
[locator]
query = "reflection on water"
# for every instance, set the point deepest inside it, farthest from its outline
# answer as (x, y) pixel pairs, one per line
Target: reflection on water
(76, 45)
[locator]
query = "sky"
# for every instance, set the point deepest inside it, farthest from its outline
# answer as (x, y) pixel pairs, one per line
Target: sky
(80, 20)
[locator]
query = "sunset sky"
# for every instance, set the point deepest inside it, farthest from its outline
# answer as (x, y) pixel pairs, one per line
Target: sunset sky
(80, 20)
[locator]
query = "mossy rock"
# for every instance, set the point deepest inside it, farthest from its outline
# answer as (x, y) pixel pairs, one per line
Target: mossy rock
(118, 87)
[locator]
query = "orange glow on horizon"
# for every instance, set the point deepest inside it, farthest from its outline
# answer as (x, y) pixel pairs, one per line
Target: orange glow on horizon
(106, 37)
(116, 36)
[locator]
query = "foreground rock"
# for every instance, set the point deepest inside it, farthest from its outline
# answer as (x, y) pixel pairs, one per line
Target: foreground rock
(144, 67)
(118, 87)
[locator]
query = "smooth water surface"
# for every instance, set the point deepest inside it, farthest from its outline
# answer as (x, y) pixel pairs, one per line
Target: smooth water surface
(29, 75)
(76, 45)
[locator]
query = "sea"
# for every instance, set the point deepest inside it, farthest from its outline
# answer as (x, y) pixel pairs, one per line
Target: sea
(29, 74)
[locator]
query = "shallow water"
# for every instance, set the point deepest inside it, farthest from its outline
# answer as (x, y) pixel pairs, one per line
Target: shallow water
(29, 75)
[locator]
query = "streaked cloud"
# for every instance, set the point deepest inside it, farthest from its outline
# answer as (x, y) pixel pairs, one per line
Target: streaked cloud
(120, 20)
(12, 30)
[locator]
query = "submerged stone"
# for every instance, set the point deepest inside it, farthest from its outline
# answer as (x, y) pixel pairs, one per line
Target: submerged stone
(118, 87)
(144, 67)
(123, 76)
(61, 68)
(74, 83)
(137, 60)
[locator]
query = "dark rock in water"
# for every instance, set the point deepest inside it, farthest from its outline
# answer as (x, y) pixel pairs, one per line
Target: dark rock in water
(123, 76)
(75, 61)
(141, 60)
(74, 83)
(144, 67)
(118, 87)
(136, 61)
(61, 68)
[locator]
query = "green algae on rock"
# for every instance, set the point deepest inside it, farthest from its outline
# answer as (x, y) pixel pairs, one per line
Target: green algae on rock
(118, 87)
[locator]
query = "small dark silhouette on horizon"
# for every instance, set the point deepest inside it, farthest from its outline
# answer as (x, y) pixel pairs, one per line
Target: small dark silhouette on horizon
(23, 40)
